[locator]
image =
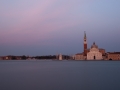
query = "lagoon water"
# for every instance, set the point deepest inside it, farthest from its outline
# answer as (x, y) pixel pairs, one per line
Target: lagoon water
(59, 75)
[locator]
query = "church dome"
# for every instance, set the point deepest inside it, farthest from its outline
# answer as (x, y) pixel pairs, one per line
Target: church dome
(94, 45)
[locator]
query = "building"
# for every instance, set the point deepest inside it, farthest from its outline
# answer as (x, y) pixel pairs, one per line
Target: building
(113, 55)
(102, 51)
(1, 58)
(6, 57)
(79, 56)
(94, 53)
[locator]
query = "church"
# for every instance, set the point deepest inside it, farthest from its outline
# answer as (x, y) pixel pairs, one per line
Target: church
(94, 53)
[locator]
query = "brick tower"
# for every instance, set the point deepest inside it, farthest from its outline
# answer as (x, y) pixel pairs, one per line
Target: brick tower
(85, 44)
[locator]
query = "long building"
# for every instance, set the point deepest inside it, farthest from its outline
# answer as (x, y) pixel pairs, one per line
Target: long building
(113, 55)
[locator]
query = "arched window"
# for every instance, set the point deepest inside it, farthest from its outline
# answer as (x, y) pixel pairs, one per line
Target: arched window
(110, 59)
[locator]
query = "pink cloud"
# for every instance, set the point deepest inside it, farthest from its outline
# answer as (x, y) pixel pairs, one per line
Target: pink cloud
(33, 24)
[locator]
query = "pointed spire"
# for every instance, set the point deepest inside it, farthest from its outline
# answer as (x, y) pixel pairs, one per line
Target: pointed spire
(93, 43)
(84, 35)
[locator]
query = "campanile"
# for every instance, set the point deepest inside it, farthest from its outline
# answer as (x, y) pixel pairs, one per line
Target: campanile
(85, 44)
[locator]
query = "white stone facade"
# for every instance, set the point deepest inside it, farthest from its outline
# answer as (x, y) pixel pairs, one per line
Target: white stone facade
(94, 53)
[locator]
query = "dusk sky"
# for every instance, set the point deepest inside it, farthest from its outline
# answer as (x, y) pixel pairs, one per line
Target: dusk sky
(48, 27)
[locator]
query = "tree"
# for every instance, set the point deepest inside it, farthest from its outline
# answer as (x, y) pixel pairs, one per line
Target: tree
(24, 57)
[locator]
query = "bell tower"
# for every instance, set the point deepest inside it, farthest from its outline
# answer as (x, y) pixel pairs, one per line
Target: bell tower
(85, 44)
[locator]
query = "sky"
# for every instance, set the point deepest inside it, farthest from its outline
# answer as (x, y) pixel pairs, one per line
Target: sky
(51, 27)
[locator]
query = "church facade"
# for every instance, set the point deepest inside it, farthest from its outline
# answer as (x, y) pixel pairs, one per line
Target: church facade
(94, 53)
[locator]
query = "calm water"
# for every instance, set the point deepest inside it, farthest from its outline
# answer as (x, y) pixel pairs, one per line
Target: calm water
(59, 75)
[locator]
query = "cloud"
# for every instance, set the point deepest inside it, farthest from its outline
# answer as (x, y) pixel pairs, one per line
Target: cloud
(36, 21)
(33, 24)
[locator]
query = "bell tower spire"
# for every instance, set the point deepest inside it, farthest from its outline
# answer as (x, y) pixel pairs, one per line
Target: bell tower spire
(85, 35)
(85, 44)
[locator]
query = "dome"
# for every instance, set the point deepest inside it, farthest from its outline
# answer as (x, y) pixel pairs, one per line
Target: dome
(94, 45)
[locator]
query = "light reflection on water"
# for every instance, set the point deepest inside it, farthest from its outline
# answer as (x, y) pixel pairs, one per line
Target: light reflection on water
(59, 75)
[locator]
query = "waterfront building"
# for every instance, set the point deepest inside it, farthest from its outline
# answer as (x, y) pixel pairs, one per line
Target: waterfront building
(79, 56)
(113, 55)
(102, 51)
(7, 58)
(1, 58)
(94, 53)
